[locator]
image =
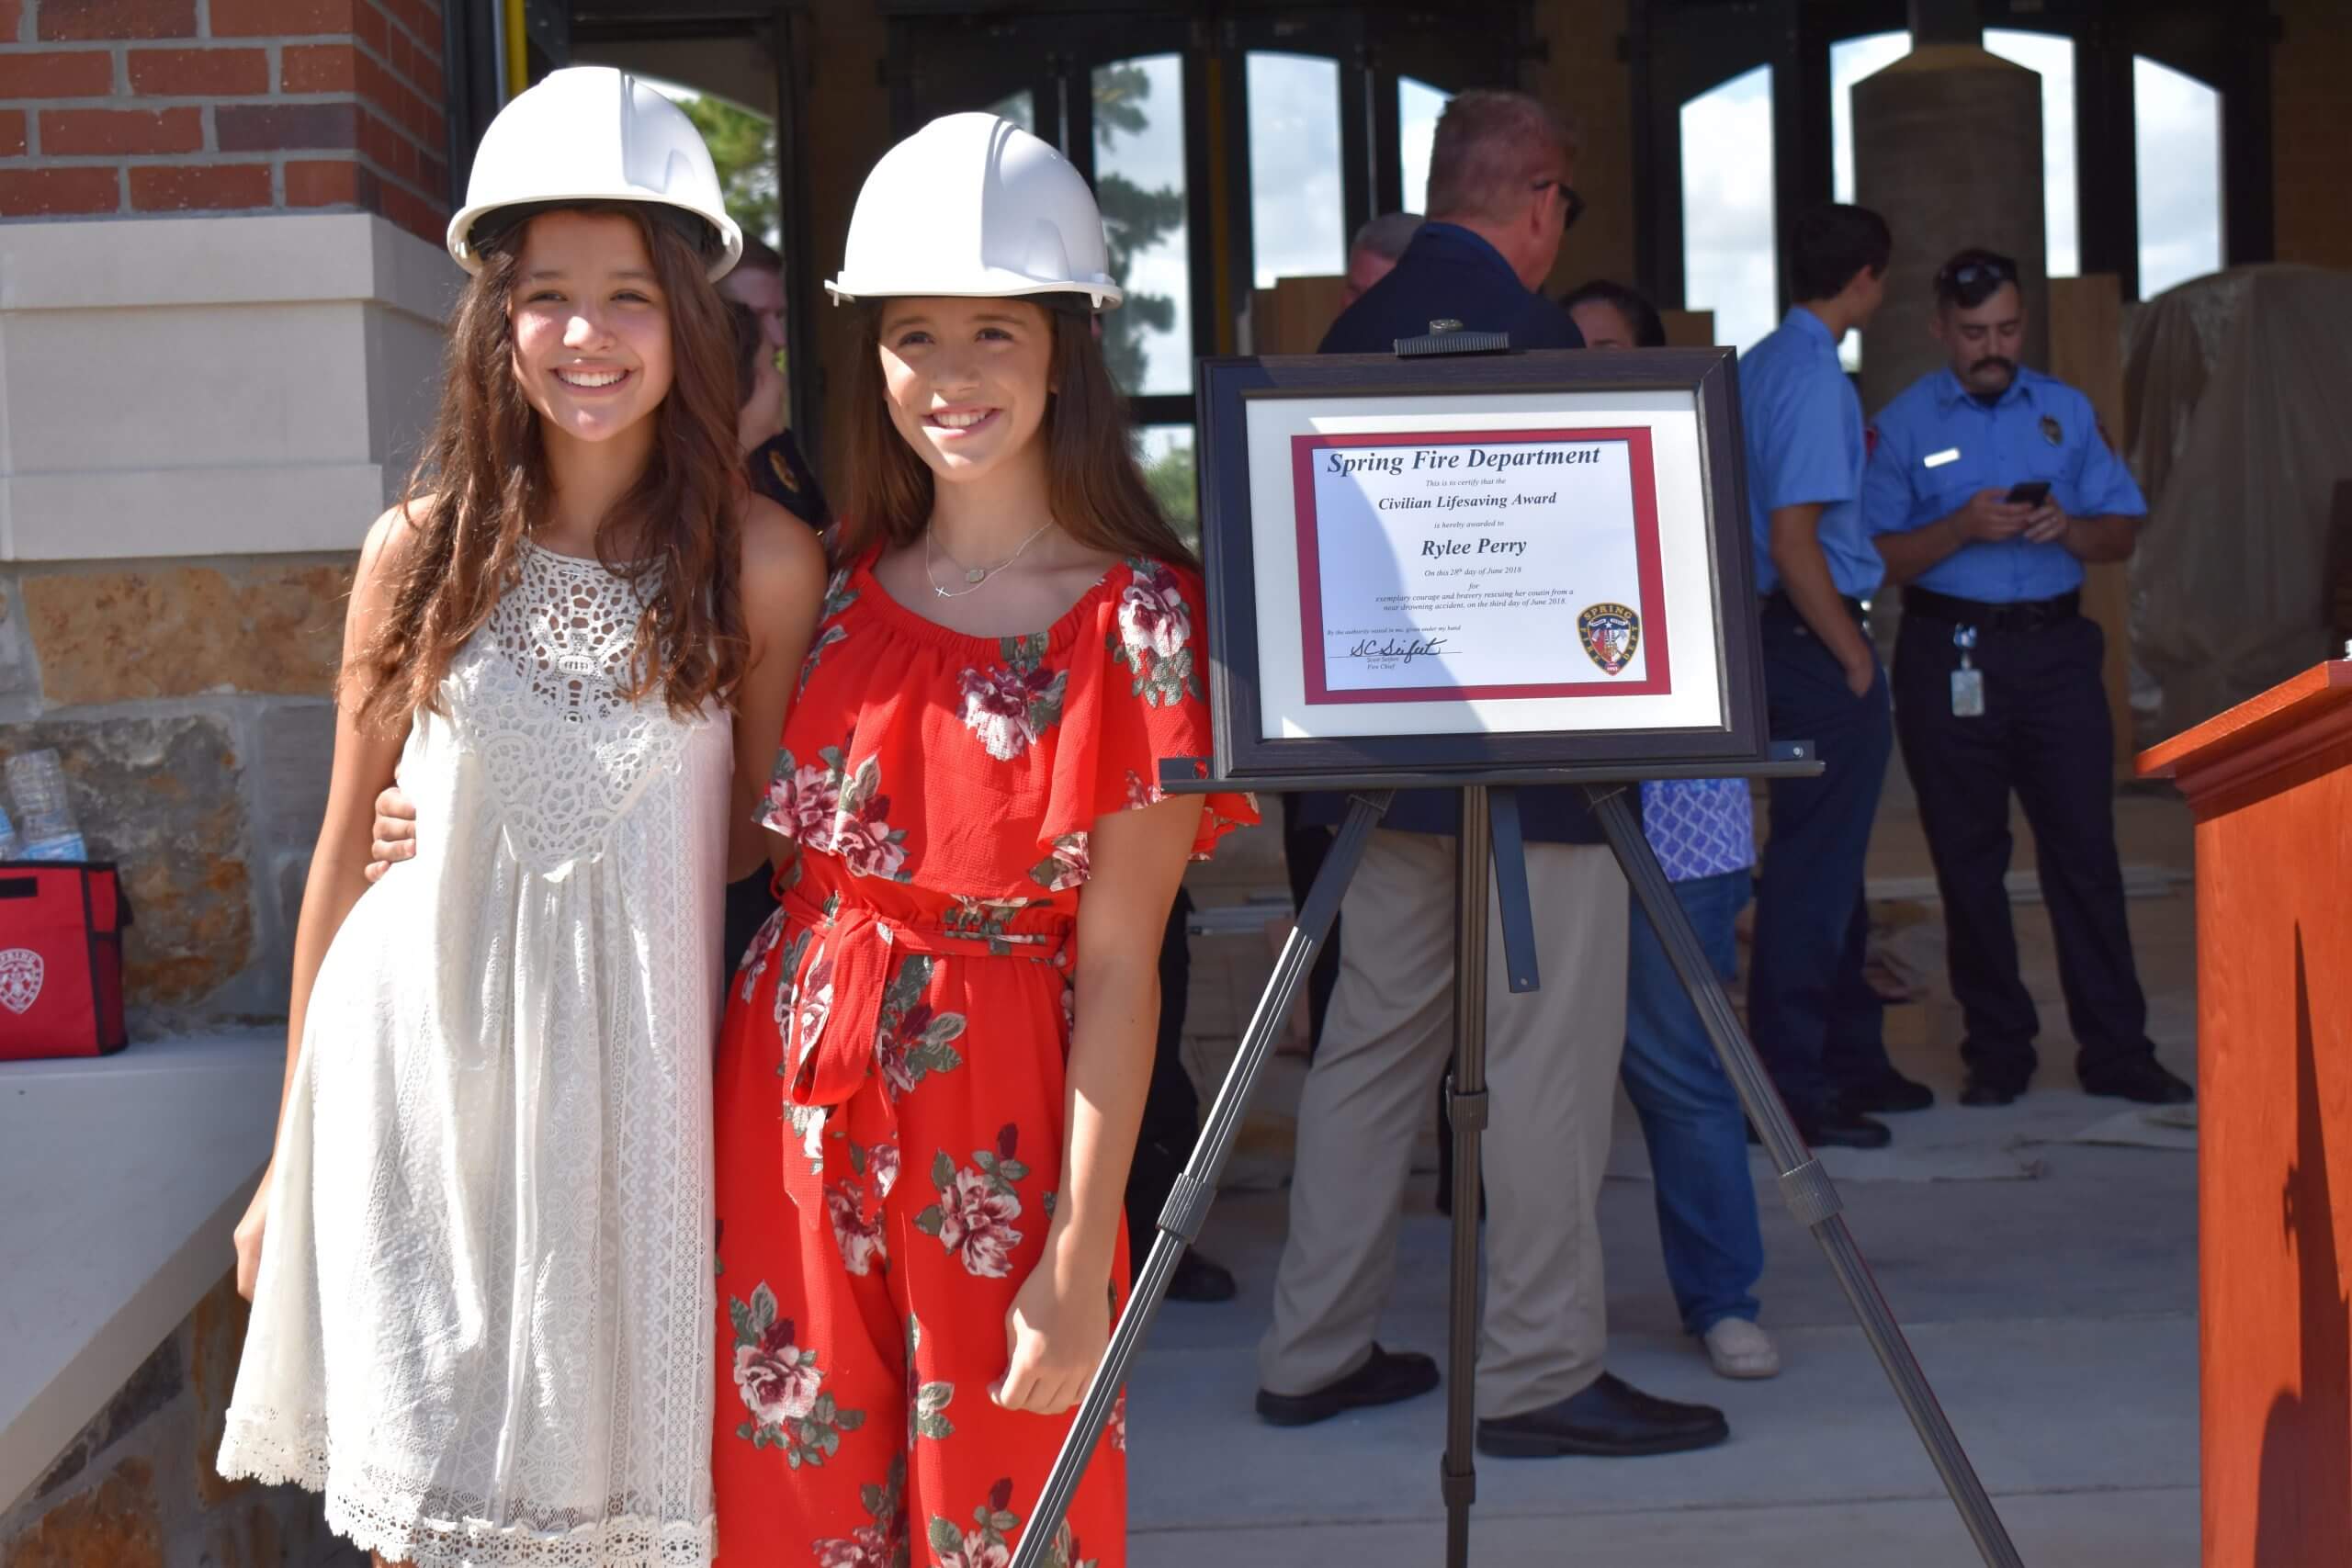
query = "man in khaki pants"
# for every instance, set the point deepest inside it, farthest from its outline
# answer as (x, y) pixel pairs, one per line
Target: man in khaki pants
(1499, 197)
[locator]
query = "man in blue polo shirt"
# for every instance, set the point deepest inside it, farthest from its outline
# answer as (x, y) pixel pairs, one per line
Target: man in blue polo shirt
(1989, 485)
(1500, 196)
(1816, 1022)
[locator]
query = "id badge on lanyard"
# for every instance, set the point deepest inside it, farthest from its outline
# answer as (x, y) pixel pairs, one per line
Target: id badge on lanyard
(1967, 682)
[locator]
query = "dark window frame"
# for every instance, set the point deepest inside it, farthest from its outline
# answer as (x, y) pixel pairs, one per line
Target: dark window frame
(1680, 49)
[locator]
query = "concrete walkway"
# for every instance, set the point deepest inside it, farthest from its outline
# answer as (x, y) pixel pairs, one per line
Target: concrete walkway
(2048, 1286)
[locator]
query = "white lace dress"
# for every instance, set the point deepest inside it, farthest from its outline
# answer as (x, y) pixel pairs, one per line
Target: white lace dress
(484, 1321)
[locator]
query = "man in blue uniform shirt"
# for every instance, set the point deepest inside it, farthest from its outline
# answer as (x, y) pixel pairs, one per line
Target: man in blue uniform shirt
(1498, 198)
(1815, 1020)
(1989, 486)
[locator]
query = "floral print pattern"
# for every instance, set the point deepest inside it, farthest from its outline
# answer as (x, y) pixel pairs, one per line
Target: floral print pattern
(977, 1205)
(914, 1042)
(755, 958)
(927, 1403)
(1013, 703)
(812, 1000)
(1065, 1552)
(881, 1544)
(835, 807)
(939, 789)
(788, 991)
(984, 1547)
(782, 1387)
(839, 597)
(1064, 869)
(991, 920)
(856, 1231)
(1154, 635)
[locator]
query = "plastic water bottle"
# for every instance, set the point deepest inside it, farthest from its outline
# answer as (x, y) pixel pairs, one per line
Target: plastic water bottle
(37, 780)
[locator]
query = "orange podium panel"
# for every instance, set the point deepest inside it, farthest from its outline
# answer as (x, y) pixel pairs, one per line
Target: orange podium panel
(2270, 783)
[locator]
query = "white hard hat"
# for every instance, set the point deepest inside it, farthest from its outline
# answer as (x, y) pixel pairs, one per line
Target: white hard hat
(975, 207)
(591, 133)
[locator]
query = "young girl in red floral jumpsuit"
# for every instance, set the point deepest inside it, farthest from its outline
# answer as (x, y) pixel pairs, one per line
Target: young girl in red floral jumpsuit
(935, 1055)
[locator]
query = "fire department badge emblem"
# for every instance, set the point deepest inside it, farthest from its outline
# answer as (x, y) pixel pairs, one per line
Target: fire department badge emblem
(1610, 634)
(21, 972)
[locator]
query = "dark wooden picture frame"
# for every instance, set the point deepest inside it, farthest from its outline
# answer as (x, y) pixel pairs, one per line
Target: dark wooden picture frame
(1225, 389)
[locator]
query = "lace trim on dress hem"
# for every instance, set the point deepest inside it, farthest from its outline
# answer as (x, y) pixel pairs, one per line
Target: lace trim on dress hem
(374, 1519)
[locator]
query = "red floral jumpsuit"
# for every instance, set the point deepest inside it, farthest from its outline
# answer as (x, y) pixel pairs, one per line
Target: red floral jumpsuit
(890, 1072)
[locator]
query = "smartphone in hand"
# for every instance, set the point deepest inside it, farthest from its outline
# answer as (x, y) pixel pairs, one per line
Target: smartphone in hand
(2032, 492)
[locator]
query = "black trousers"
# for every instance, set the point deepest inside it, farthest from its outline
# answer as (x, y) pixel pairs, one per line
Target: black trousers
(2044, 734)
(1818, 1024)
(1171, 1108)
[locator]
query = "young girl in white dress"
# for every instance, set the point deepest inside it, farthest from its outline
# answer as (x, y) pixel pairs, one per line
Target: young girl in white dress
(480, 1258)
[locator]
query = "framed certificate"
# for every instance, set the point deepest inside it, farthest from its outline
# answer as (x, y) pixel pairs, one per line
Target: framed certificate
(1465, 564)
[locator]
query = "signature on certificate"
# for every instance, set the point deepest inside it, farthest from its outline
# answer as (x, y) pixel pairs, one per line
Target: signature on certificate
(1406, 649)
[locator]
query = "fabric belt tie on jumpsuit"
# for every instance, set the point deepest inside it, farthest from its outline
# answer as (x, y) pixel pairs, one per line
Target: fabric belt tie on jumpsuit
(843, 1004)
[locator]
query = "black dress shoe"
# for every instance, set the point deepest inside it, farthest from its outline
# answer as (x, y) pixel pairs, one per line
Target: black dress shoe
(1890, 1094)
(1199, 1279)
(1840, 1128)
(2143, 1078)
(1385, 1379)
(1610, 1419)
(1989, 1092)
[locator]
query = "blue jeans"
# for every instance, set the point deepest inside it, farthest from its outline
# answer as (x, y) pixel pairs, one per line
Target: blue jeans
(1691, 1114)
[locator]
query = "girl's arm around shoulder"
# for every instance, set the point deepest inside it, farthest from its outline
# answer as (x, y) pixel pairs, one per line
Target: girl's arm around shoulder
(782, 584)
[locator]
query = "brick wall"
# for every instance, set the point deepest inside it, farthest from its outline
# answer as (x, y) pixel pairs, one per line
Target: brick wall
(149, 107)
(2310, 137)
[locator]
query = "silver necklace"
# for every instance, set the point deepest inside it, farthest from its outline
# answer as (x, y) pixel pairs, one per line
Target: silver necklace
(976, 576)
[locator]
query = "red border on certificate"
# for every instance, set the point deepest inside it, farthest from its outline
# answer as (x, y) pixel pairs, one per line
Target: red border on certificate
(1657, 677)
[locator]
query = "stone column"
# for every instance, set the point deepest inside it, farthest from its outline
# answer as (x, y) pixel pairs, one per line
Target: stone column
(1948, 148)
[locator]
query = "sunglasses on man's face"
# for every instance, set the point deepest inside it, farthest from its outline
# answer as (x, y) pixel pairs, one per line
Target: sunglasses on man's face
(1571, 204)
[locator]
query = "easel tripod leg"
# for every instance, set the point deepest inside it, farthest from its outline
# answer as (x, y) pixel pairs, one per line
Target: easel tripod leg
(1466, 1104)
(1195, 1188)
(1805, 1188)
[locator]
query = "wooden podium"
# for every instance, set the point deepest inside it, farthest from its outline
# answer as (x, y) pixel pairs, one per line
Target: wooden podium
(2270, 783)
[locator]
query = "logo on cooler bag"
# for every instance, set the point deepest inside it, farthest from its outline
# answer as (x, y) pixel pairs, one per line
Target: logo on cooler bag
(20, 976)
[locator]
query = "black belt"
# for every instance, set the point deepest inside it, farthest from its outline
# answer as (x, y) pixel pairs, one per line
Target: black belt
(1778, 603)
(2030, 615)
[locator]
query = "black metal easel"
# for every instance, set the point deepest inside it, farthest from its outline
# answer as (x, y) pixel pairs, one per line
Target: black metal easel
(1489, 839)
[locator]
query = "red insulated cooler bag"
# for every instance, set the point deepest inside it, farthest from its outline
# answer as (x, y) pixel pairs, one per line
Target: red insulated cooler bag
(61, 959)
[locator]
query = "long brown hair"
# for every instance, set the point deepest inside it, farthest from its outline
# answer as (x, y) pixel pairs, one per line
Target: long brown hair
(481, 481)
(1097, 494)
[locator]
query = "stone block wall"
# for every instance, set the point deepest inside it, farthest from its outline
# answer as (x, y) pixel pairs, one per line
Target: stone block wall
(136, 1488)
(224, 105)
(190, 701)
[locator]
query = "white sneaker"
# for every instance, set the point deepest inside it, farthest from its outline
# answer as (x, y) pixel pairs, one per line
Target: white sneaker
(1740, 1350)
